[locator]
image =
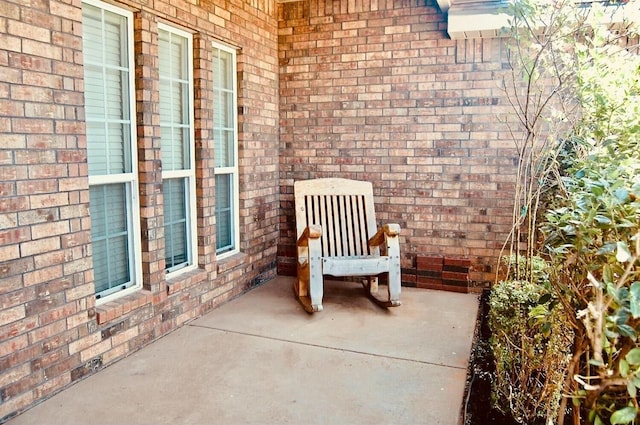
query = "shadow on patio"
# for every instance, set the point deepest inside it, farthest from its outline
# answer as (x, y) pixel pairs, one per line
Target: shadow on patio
(261, 359)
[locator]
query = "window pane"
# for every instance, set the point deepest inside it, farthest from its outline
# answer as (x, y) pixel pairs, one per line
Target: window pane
(223, 109)
(92, 33)
(175, 156)
(97, 150)
(116, 83)
(118, 139)
(222, 69)
(173, 51)
(175, 223)
(224, 148)
(178, 56)
(222, 113)
(163, 46)
(114, 40)
(110, 237)
(108, 148)
(174, 101)
(104, 37)
(166, 107)
(106, 76)
(224, 209)
(93, 91)
(182, 113)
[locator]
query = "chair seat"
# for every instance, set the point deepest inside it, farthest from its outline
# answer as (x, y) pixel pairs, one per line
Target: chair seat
(368, 265)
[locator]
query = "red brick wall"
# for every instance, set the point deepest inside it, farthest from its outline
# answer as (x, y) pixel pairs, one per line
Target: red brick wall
(51, 332)
(375, 90)
(365, 89)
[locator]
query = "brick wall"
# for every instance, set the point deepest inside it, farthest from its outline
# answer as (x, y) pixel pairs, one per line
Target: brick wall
(363, 89)
(52, 333)
(375, 90)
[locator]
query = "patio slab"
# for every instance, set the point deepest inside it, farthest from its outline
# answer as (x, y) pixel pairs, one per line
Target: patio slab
(260, 359)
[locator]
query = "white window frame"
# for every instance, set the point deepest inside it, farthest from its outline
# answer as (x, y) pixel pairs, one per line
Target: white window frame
(189, 174)
(233, 170)
(130, 180)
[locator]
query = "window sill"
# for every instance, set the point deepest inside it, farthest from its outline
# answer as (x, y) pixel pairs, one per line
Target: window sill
(231, 262)
(185, 280)
(115, 309)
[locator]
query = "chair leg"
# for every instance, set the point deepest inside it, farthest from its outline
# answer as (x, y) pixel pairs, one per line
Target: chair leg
(395, 286)
(372, 282)
(309, 304)
(316, 291)
(308, 287)
(395, 280)
(316, 279)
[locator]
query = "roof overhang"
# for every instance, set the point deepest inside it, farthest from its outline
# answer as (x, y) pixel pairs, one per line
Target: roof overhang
(479, 19)
(489, 18)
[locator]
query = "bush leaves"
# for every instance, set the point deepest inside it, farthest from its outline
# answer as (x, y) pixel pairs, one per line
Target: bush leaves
(624, 416)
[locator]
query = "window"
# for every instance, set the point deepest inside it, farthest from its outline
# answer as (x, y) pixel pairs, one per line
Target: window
(177, 143)
(111, 134)
(225, 149)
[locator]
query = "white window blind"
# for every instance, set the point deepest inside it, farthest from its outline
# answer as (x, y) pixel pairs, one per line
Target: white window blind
(176, 223)
(113, 202)
(109, 234)
(224, 211)
(225, 149)
(224, 117)
(177, 145)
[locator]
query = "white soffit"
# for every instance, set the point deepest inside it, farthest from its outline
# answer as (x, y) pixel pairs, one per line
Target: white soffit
(444, 5)
(478, 20)
(488, 18)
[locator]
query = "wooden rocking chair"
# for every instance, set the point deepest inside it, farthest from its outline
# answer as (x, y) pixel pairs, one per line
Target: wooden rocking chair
(337, 235)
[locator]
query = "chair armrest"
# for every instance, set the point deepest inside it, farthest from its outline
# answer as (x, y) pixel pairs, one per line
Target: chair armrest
(313, 231)
(390, 230)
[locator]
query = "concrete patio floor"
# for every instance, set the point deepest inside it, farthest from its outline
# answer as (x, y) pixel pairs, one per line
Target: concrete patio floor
(260, 359)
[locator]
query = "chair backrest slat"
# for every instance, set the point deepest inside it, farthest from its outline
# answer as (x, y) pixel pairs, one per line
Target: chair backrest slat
(325, 220)
(344, 235)
(334, 230)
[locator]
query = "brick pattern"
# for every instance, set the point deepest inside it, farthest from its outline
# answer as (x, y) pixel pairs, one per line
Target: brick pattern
(51, 331)
(439, 272)
(46, 281)
(205, 179)
(375, 90)
(149, 147)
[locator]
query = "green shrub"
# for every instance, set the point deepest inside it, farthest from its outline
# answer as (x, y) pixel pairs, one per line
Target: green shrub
(531, 343)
